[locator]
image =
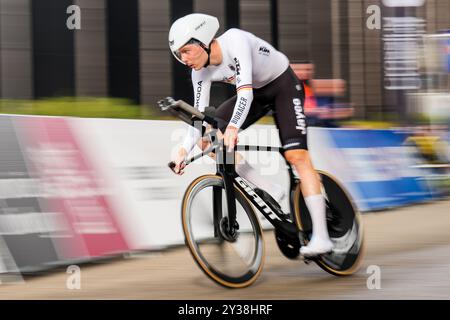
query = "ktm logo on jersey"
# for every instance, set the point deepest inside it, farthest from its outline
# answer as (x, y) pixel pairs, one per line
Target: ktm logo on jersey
(264, 51)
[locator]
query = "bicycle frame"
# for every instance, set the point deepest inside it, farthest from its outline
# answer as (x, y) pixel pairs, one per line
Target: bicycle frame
(230, 177)
(288, 231)
(226, 169)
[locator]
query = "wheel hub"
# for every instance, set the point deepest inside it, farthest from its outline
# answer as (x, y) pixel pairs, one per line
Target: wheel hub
(229, 235)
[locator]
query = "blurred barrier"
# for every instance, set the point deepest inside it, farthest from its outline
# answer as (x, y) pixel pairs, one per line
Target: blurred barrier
(375, 166)
(131, 158)
(435, 107)
(71, 188)
(24, 222)
(77, 189)
(447, 138)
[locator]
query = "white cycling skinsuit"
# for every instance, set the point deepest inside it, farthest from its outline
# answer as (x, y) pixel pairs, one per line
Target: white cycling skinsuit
(264, 82)
(249, 63)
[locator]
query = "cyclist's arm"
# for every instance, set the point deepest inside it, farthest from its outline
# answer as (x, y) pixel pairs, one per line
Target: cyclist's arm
(201, 100)
(244, 88)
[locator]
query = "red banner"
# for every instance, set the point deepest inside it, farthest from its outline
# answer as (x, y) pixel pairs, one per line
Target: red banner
(71, 186)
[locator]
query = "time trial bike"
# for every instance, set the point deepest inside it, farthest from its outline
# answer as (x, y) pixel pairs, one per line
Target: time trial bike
(221, 227)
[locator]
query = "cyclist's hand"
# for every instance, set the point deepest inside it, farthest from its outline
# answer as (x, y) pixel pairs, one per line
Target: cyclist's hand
(231, 137)
(180, 161)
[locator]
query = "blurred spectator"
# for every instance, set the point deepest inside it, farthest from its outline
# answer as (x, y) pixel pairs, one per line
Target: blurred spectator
(305, 72)
(320, 95)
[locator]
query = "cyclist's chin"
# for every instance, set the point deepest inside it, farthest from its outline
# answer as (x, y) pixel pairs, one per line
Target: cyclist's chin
(194, 67)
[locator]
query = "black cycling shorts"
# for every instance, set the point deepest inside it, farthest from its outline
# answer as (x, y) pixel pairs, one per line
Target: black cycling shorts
(285, 96)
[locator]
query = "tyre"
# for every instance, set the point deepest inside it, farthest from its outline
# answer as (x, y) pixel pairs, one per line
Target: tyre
(344, 227)
(232, 260)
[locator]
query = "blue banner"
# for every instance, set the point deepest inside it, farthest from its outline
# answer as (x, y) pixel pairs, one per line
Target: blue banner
(381, 168)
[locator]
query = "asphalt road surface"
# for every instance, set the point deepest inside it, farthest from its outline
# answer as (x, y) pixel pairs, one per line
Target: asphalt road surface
(410, 245)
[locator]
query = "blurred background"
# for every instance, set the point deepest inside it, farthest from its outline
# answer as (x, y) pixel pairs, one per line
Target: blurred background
(121, 51)
(366, 63)
(379, 67)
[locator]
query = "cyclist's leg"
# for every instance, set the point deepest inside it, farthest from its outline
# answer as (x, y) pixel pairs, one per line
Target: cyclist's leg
(290, 120)
(291, 123)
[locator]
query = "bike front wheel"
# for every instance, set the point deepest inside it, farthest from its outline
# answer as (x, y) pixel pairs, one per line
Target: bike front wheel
(235, 259)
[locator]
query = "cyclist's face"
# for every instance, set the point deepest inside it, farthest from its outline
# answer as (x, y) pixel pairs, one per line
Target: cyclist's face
(193, 56)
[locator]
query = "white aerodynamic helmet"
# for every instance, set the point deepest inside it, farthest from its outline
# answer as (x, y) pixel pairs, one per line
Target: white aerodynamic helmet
(197, 26)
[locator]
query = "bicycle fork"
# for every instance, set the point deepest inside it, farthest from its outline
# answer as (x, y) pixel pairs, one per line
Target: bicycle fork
(225, 226)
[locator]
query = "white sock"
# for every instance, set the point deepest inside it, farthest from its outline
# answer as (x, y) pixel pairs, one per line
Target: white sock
(316, 207)
(249, 173)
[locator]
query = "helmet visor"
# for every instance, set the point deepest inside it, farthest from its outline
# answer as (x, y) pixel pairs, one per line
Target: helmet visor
(177, 53)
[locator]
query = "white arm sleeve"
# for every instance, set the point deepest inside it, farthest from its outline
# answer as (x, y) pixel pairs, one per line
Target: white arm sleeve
(243, 64)
(201, 100)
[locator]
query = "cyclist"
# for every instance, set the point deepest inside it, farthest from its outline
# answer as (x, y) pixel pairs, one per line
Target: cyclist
(262, 77)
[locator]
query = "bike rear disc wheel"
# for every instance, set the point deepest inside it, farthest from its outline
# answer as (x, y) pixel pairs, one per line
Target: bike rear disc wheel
(344, 227)
(233, 263)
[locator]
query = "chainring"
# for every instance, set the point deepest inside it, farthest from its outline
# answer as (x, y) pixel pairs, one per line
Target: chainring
(290, 247)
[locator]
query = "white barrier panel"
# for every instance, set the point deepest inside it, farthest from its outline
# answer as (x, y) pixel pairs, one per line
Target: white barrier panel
(126, 161)
(132, 156)
(328, 158)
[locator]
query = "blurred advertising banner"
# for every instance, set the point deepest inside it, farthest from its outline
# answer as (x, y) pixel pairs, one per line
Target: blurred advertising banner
(447, 50)
(402, 38)
(131, 156)
(375, 166)
(403, 3)
(9, 272)
(71, 188)
(25, 226)
(75, 189)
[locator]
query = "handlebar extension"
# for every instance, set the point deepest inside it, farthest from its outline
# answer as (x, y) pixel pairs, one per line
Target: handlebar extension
(186, 112)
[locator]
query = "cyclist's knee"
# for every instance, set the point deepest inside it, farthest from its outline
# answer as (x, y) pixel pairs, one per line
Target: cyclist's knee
(297, 157)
